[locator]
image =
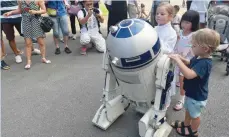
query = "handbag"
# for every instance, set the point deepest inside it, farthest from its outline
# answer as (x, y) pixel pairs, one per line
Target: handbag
(46, 23)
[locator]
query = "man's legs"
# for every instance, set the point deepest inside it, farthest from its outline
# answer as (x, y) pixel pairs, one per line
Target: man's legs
(9, 31)
(56, 34)
(65, 31)
(4, 66)
(73, 26)
(84, 41)
(99, 41)
(132, 11)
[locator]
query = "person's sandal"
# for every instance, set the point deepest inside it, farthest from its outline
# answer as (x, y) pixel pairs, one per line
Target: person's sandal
(178, 124)
(28, 66)
(44, 60)
(178, 106)
(190, 132)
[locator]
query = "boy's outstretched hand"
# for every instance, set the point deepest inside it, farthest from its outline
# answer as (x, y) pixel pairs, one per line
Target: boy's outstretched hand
(175, 57)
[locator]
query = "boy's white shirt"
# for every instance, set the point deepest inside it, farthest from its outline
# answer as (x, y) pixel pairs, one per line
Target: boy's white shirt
(167, 36)
(92, 23)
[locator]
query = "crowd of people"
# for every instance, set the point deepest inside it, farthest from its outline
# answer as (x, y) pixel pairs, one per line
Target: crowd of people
(185, 40)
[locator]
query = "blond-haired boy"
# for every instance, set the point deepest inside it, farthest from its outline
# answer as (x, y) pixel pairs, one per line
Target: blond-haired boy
(196, 73)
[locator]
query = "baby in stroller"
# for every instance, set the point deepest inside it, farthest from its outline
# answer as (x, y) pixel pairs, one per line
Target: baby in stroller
(218, 20)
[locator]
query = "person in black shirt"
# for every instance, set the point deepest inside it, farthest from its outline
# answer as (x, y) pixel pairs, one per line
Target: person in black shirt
(117, 13)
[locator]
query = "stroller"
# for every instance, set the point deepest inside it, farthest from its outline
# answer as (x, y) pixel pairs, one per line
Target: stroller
(218, 20)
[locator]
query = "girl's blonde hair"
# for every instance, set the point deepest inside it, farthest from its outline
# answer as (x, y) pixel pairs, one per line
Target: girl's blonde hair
(206, 38)
(168, 7)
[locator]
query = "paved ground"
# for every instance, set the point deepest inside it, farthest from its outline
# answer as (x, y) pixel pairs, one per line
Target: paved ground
(60, 99)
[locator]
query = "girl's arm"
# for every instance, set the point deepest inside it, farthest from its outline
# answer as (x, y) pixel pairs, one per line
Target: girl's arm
(168, 46)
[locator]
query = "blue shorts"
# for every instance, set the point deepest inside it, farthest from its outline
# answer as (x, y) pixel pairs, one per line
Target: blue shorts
(194, 107)
(60, 26)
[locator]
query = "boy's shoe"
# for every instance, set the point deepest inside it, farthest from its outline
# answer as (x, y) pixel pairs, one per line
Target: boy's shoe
(57, 52)
(36, 52)
(18, 59)
(83, 51)
(4, 66)
(67, 50)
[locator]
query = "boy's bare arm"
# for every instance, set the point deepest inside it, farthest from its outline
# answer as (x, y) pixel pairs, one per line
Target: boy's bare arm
(185, 61)
(187, 72)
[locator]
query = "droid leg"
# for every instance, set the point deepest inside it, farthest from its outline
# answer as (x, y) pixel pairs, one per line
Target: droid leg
(113, 105)
(153, 123)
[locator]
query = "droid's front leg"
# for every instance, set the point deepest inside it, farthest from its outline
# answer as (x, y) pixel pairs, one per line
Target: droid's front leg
(153, 123)
(113, 104)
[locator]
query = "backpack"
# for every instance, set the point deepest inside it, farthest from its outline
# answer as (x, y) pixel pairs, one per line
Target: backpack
(218, 20)
(95, 10)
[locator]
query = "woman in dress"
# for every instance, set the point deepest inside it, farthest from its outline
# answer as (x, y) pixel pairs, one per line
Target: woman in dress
(31, 11)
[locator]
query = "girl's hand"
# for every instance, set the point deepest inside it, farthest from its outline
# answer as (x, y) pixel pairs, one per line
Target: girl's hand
(7, 14)
(33, 12)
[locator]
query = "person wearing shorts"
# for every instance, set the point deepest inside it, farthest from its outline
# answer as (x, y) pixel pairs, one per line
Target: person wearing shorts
(7, 26)
(60, 21)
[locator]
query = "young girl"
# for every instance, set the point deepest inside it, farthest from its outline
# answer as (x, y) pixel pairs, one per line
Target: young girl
(167, 35)
(189, 24)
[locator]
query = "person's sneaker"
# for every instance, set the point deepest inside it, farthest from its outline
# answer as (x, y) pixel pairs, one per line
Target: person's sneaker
(57, 51)
(74, 37)
(61, 40)
(70, 35)
(18, 59)
(36, 52)
(83, 51)
(4, 66)
(67, 50)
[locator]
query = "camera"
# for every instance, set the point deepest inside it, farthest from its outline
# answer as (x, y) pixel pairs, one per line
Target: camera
(96, 11)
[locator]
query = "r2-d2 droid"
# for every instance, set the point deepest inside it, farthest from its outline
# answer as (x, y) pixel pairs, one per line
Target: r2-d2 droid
(134, 63)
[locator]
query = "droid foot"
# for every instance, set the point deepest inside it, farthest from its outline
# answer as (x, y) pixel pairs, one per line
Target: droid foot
(109, 112)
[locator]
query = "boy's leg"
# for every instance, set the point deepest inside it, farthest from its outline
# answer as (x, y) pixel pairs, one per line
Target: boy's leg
(188, 119)
(195, 124)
